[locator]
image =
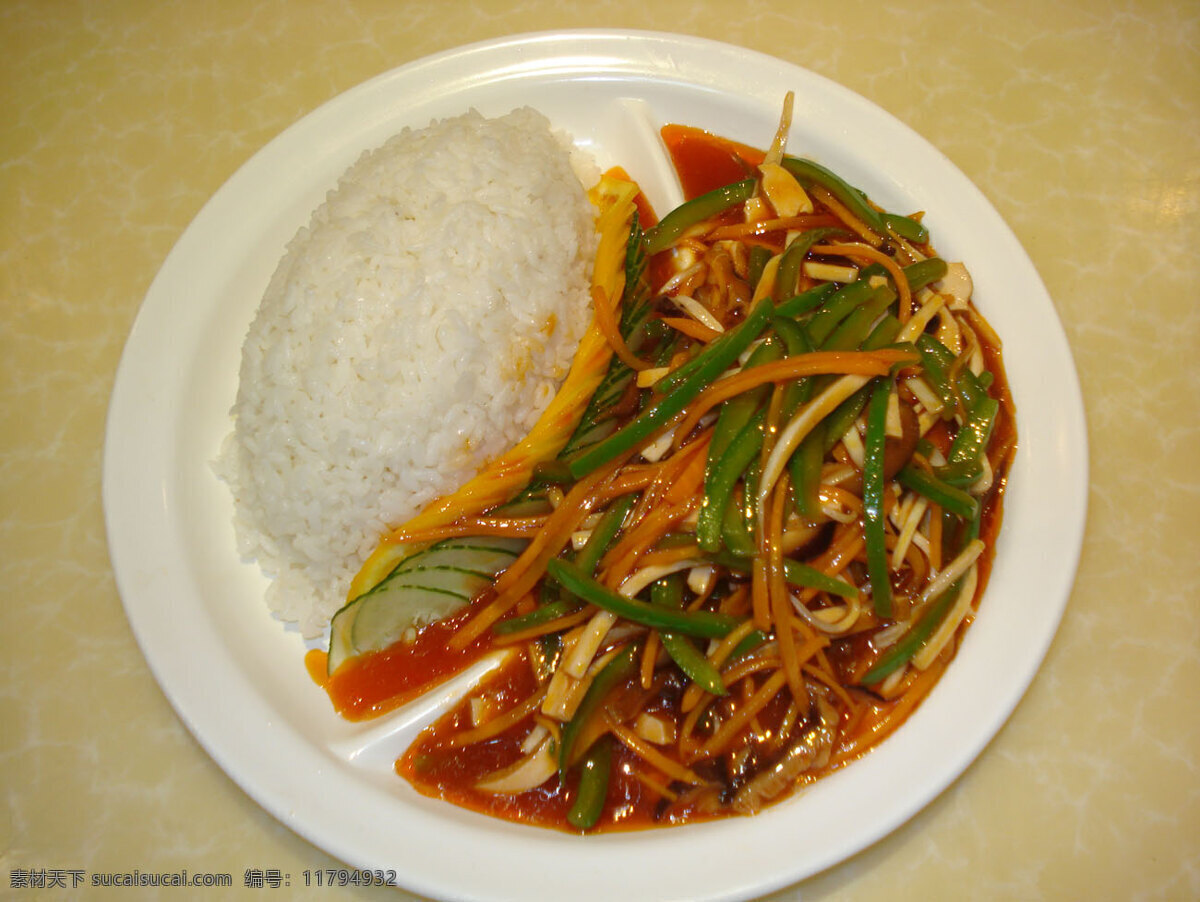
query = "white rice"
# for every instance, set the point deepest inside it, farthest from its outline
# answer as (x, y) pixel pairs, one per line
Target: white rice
(416, 328)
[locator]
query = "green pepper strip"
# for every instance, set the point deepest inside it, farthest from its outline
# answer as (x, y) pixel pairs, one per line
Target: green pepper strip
(754, 323)
(906, 227)
(742, 451)
(806, 300)
(593, 785)
(883, 334)
(936, 359)
(908, 644)
(686, 215)
(736, 412)
(804, 468)
(839, 306)
(854, 329)
(706, 624)
(935, 373)
(544, 654)
(603, 534)
(611, 675)
(843, 417)
(960, 474)
(799, 391)
(793, 258)
(753, 640)
(553, 472)
(536, 617)
(735, 532)
(873, 517)
(731, 431)
(668, 593)
(949, 498)
(795, 338)
(973, 436)
(741, 520)
(923, 272)
(712, 362)
(794, 572)
(807, 173)
(759, 256)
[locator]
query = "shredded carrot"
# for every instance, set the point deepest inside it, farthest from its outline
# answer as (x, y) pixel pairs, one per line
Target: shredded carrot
(744, 714)
(760, 595)
(863, 363)
(649, 657)
(669, 500)
(725, 647)
(551, 626)
(693, 695)
(874, 255)
(651, 755)
(670, 471)
(527, 569)
(771, 424)
(748, 688)
(777, 592)
(823, 673)
(686, 744)
(628, 551)
(835, 206)
(654, 786)
(629, 480)
(691, 328)
(845, 547)
(918, 563)
(691, 478)
(814, 643)
(664, 556)
(841, 497)
(737, 602)
(500, 723)
(749, 665)
(606, 322)
(916, 687)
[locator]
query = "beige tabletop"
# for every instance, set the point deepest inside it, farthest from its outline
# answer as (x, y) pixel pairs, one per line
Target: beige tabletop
(1080, 121)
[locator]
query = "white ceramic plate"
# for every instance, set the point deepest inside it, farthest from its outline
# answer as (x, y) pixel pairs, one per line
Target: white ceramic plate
(235, 675)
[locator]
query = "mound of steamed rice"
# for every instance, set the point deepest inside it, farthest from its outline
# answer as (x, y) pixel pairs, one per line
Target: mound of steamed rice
(414, 329)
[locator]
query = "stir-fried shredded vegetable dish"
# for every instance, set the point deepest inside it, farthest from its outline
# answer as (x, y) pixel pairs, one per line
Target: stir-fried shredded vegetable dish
(745, 540)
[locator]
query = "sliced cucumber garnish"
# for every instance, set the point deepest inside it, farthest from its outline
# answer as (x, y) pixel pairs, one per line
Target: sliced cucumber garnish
(426, 585)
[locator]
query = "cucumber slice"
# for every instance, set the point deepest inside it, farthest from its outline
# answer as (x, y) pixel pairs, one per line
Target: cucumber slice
(484, 555)
(341, 629)
(428, 584)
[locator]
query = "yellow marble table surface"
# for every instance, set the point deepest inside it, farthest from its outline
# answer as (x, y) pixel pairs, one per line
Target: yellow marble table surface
(1079, 120)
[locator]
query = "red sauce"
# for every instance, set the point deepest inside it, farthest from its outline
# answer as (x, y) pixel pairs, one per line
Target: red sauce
(451, 773)
(705, 162)
(371, 684)
(316, 662)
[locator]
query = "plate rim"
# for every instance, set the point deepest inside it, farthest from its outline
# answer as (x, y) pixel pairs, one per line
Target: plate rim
(274, 794)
